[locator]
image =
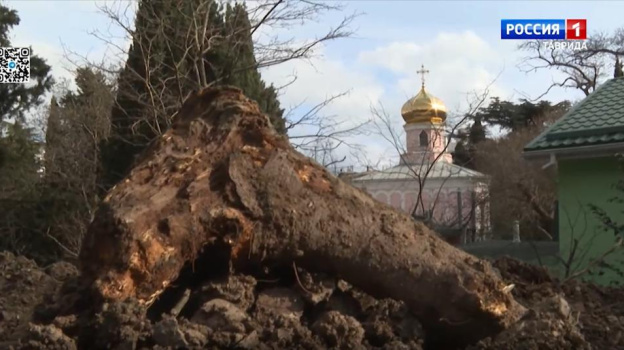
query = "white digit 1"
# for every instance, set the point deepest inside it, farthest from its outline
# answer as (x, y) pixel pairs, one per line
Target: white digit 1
(577, 27)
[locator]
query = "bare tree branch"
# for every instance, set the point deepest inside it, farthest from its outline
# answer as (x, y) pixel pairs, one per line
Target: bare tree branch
(582, 69)
(421, 169)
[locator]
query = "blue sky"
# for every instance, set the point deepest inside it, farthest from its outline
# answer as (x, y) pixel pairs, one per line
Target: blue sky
(458, 41)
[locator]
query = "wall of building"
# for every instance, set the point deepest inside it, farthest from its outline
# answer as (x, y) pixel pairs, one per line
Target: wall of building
(437, 143)
(582, 182)
(449, 199)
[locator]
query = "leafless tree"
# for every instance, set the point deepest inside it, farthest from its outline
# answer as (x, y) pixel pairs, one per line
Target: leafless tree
(324, 153)
(189, 39)
(421, 169)
(525, 191)
(583, 69)
(48, 203)
(321, 135)
(76, 123)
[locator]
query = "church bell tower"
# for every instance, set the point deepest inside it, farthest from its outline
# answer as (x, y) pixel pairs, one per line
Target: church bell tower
(425, 120)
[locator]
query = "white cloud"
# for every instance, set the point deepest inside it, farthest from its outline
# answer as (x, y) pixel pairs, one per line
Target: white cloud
(319, 78)
(459, 64)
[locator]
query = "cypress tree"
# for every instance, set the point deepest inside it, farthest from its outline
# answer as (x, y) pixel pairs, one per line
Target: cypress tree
(242, 68)
(54, 135)
(461, 155)
(618, 68)
(466, 147)
(131, 122)
(163, 25)
(477, 132)
(69, 188)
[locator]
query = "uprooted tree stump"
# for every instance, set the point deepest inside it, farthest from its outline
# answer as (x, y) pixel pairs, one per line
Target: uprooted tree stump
(221, 174)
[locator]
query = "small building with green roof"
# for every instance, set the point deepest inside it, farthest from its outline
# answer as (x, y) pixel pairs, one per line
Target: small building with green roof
(583, 146)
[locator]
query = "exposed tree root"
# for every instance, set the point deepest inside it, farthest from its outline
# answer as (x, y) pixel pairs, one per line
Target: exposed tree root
(221, 174)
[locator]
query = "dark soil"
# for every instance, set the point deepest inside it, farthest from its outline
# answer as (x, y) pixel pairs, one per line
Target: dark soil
(302, 311)
(23, 286)
(574, 315)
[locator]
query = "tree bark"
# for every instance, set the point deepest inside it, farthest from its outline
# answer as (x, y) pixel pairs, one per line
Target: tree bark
(222, 174)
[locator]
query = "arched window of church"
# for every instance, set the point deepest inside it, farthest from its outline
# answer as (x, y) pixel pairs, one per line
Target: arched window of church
(424, 139)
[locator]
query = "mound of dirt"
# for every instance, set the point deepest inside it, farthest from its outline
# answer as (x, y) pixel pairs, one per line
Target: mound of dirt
(573, 315)
(302, 311)
(23, 286)
(297, 311)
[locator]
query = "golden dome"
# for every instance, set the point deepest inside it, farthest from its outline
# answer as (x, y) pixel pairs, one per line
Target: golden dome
(423, 107)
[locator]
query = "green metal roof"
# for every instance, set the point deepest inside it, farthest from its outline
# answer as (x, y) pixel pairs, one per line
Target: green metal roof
(596, 120)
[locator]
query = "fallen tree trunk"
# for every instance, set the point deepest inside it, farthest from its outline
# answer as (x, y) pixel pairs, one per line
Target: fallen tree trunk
(221, 174)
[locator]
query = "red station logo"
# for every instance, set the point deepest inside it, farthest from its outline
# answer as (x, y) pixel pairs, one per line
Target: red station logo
(576, 29)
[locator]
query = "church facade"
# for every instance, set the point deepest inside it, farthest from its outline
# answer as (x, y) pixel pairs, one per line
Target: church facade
(426, 183)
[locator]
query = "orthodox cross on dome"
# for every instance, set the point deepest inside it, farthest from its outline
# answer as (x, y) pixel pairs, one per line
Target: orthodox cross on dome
(422, 73)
